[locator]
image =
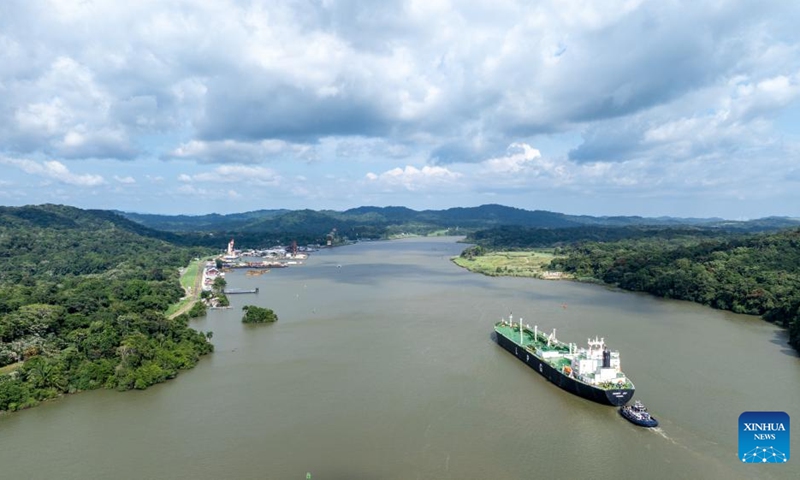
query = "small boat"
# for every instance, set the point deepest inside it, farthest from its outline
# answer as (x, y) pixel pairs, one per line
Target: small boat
(638, 415)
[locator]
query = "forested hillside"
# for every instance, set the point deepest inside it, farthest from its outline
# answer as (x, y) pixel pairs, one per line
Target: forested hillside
(82, 302)
(723, 268)
(753, 274)
(518, 237)
(264, 228)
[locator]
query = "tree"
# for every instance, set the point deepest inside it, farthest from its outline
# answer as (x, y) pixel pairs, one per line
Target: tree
(197, 310)
(253, 314)
(44, 374)
(219, 284)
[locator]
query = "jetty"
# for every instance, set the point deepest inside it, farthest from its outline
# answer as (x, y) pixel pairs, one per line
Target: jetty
(236, 291)
(254, 265)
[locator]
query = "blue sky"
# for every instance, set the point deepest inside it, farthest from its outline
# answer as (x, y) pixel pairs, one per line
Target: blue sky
(583, 107)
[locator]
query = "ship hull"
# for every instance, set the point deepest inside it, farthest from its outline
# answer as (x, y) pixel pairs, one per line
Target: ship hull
(615, 397)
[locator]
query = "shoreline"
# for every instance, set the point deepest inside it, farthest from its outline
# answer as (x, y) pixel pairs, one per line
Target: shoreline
(522, 264)
(481, 268)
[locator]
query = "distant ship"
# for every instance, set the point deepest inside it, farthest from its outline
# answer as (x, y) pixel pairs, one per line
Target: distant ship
(592, 373)
(638, 414)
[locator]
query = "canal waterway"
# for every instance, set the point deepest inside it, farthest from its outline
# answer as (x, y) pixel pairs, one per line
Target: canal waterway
(382, 367)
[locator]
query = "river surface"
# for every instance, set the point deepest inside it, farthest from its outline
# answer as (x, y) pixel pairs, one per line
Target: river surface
(382, 367)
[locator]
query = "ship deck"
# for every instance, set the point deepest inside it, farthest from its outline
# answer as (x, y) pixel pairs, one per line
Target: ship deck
(512, 333)
(560, 363)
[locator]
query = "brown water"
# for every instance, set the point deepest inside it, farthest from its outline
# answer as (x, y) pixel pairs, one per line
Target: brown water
(383, 368)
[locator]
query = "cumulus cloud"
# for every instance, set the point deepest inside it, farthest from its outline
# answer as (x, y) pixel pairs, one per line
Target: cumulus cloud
(412, 178)
(64, 112)
(519, 156)
(444, 83)
(53, 170)
(393, 70)
(738, 117)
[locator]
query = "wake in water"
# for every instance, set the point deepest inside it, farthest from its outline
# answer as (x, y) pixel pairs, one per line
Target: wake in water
(662, 433)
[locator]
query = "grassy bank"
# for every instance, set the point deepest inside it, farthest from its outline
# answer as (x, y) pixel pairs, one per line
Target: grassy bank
(531, 263)
(190, 283)
(190, 274)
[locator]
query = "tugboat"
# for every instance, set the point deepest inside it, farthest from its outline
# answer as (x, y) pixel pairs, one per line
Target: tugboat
(638, 415)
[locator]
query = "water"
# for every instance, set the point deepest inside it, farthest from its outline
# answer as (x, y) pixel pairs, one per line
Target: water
(382, 367)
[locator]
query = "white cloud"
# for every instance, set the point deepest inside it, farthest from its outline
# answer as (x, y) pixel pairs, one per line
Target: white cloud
(248, 175)
(54, 170)
(191, 190)
(413, 179)
(762, 97)
(126, 180)
(67, 112)
(388, 70)
(518, 157)
(49, 117)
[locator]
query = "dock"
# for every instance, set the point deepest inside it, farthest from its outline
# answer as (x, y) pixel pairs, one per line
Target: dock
(236, 291)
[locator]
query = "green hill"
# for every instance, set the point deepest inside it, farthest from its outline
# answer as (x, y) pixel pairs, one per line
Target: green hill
(82, 301)
(379, 222)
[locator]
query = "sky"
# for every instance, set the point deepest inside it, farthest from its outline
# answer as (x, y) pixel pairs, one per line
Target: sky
(662, 108)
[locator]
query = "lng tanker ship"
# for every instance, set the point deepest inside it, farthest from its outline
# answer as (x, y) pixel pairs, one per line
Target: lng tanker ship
(593, 373)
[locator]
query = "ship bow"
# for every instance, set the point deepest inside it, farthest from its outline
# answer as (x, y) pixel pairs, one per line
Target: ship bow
(619, 396)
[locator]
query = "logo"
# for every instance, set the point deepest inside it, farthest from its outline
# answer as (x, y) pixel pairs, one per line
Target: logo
(764, 437)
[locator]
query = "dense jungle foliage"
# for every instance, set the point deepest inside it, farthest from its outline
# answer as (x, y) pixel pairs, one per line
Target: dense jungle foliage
(254, 314)
(82, 302)
(525, 238)
(757, 274)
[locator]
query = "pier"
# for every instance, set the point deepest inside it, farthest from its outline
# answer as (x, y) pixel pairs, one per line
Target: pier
(254, 265)
(236, 291)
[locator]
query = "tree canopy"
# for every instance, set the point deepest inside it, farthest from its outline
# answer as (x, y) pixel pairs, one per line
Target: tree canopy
(82, 302)
(756, 274)
(254, 314)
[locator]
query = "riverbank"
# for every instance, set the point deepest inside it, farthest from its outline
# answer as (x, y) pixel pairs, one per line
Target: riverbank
(531, 263)
(535, 264)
